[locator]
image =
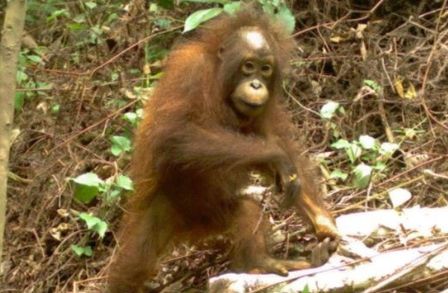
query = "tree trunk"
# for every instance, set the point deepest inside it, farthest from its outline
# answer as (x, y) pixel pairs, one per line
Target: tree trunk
(9, 49)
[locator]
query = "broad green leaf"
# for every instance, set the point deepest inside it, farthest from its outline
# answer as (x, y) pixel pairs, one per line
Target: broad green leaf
(57, 13)
(341, 144)
(55, 108)
(285, 16)
(87, 187)
(90, 4)
(89, 179)
(153, 7)
(19, 100)
(208, 1)
(362, 174)
(353, 152)
(81, 250)
(94, 223)
(200, 16)
(167, 4)
(388, 148)
(80, 19)
(97, 30)
(115, 193)
(77, 27)
(305, 289)
(327, 111)
(35, 59)
(85, 194)
(21, 76)
(132, 117)
(338, 174)
(367, 142)
(114, 76)
(120, 144)
(112, 17)
(380, 166)
(44, 85)
(124, 182)
(232, 8)
(163, 23)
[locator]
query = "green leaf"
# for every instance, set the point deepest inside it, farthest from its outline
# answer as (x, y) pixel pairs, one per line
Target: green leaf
(285, 16)
(81, 250)
(338, 174)
(94, 223)
(120, 144)
(232, 8)
(200, 16)
(353, 152)
(44, 85)
(77, 27)
(208, 1)
(388, 148)
(96, 30)
(19, 100)
(380, 166)
(362, 176)
(132, 118)
(115, 193)
(80, 19)
(367, 142)
(89, 179)
(58, 13)
(112, 17)
(341, 144)
(90, 4)
(373, 85)
(21, 76)
(327, 111)
(163, 23)
(85, 194)
(87, 187)
(35, 59)
(55, 108)
(167, 4)
(124, 182)
(305, 289)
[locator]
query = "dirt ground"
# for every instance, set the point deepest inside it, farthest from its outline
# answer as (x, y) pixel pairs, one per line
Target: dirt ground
(400, 45)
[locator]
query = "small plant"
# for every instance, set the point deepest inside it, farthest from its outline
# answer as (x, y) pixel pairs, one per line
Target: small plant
(276, 8)
(81, 250)
(133, 117)
(373, 85)
(94, 224)
(365, 155)
(29, 87)
(89, 186)
(120, 145)
(328, 111)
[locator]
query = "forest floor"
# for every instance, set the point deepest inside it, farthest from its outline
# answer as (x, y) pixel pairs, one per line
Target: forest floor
(385, 64)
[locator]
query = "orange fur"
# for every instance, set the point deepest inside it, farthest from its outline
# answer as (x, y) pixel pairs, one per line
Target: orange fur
(192, 154)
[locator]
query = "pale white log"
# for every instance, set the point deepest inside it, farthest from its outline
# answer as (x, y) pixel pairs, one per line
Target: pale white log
(368, 268)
